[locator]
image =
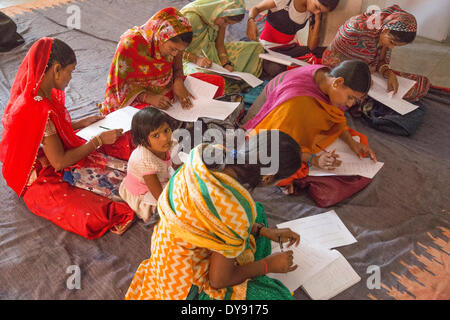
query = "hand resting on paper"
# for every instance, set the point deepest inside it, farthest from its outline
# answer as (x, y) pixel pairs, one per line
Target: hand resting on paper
(392, 84)
(159, 101)
(362, 150)
(225, 272)
(286, 235)
(182, 94)
(281, 262)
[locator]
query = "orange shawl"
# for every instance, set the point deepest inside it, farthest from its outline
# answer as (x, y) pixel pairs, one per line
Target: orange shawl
(309, 121)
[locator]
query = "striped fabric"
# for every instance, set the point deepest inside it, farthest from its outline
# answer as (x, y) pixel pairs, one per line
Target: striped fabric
(358, 38)
(200, 212)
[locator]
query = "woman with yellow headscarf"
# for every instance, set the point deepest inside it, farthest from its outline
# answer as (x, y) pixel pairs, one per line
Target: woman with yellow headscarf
(212, 240)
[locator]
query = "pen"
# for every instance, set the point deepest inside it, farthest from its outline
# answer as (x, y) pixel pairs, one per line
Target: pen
(105, 128)
(281, 243)
(323, 149)
(205, 54)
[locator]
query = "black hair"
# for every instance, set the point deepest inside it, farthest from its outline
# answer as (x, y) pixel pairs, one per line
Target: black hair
(145, 121)
(250, 173)
(185, 37)
(330, 4)
(236, 18)
(403, 36)
(356, 74)
(61, 53)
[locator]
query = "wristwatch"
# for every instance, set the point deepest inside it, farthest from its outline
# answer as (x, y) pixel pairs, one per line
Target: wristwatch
(259, 226)
(226, 64)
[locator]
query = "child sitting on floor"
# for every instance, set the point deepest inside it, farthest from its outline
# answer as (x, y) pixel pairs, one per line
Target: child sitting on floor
(149, 164)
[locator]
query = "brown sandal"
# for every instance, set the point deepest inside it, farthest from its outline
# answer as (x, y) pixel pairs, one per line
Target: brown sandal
(120, 229)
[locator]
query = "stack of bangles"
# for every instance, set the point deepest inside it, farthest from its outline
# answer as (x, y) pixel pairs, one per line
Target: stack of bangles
(97, 141)
(382, 69)
(187, 56)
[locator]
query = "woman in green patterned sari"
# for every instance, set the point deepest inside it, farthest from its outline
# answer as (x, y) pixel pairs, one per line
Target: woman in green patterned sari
(209, 19)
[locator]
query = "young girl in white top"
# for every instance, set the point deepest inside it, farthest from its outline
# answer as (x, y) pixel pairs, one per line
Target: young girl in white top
(284, 19)
(150, 163)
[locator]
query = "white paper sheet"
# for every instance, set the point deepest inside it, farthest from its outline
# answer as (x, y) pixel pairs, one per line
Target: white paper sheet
(273, 58)
(286, 58)
(203, 105)
(351, 163)
(200, 89)
(119, 119)
(395, 102)
(218, 109)
(325, 230)
(309, 259)
(247, 77)
(176, 111)
(331, 280)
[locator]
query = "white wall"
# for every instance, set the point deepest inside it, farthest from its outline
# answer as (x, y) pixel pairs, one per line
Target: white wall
(433, 16)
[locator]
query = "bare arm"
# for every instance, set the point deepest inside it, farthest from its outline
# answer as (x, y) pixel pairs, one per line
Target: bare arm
(153, 185)
(178, 73)
(225, 272)
(252, 29)
(60, 158)
(82, 123)
(220, 45)
(260, 7)
(314, 33)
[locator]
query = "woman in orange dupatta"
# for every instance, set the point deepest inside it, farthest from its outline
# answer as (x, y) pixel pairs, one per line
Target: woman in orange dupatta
(307, 103)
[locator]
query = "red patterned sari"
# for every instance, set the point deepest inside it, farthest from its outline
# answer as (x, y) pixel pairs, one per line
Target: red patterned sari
(24, 120)
(139, 68)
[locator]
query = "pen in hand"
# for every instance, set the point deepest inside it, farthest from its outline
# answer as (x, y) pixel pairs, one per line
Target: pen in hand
(204, 54)
(281, 243)
(323, 149)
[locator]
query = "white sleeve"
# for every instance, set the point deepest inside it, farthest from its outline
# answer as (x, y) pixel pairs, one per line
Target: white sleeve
(281, 4)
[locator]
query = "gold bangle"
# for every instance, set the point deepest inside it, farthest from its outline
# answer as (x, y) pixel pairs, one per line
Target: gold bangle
(99, 140)
(223, 55)
(382, 66)
(186, 56)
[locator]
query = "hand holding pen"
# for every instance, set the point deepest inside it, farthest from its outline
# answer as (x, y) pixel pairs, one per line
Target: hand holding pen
(328, 160)
(204, 61)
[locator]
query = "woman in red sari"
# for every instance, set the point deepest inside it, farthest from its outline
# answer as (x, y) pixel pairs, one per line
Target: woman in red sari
(39, 141)
(147, 66)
